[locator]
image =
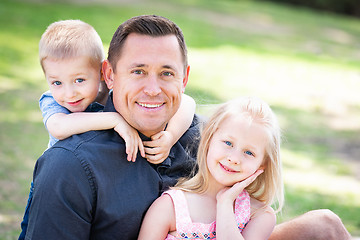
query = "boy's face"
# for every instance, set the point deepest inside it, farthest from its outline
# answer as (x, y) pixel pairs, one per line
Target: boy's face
(148, 81)
(73, 82)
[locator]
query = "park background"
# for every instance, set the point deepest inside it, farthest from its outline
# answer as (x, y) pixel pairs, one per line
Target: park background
(305, 63)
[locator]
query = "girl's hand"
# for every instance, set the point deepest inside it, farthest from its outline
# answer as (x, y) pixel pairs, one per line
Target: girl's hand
(158, 149)
(228, 194)
(132, 140)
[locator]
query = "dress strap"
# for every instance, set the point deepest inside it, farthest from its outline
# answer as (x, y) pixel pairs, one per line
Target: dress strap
(182, 214)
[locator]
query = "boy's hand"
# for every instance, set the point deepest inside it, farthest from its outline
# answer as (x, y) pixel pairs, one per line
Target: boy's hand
(228, 194)
(157, 150)
(132, 140)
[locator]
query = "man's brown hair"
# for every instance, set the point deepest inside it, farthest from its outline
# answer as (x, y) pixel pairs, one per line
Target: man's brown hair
(150, 25)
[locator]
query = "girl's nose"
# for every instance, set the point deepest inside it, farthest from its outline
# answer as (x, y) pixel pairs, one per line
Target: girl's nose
(234, 157)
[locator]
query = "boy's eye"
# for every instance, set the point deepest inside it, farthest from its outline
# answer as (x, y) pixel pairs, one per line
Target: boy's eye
(228, 143)
(56, 83)
(79, 80)
(249, 153)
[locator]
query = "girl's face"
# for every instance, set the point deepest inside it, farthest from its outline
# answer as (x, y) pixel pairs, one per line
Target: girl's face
(236, 150)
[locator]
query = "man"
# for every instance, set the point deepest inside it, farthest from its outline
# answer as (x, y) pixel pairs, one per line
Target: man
(85, 188)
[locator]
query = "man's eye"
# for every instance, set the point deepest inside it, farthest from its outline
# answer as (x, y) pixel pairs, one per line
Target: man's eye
(79, 80)
(228, 143)
(249, 153)
(138, 72)
(167, 74)
(56, 83)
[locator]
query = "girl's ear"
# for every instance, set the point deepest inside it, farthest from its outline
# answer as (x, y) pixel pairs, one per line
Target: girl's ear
(262, 167)
(108, 74)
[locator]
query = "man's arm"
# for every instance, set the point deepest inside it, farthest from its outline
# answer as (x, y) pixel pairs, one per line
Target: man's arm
(317, 224)
(63, 198)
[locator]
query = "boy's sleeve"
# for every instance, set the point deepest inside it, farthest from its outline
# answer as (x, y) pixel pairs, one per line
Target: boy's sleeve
(49, 106)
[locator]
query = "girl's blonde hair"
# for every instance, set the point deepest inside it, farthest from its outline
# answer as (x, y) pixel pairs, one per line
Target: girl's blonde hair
(69, 39)
(268, 187)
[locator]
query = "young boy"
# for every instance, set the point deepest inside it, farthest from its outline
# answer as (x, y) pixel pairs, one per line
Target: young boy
(71, 56)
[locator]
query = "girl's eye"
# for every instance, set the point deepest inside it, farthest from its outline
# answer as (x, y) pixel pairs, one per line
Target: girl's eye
(56, 83)
(228, 143)
(249, 153)
(79, 80)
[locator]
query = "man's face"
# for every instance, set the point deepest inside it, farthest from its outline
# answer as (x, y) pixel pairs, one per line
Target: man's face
(148, 81)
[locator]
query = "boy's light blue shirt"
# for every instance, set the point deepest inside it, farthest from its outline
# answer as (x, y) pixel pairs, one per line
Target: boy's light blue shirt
(48, 107)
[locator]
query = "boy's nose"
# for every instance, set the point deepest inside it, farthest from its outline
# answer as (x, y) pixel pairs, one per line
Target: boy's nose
(70, 92)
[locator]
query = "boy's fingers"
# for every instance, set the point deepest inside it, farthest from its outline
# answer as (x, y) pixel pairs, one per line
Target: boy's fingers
(155, 159)
(142, 149)
(156, 136)
(150, 144)
(134, 153)
(151, 151)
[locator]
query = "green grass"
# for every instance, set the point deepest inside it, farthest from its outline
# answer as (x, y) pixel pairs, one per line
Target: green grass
(304, 63)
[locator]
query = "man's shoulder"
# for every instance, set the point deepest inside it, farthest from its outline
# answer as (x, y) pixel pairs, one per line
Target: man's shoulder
(82, 150)
(77, 141)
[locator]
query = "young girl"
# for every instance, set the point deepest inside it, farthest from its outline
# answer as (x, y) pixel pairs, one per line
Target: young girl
(238, 179)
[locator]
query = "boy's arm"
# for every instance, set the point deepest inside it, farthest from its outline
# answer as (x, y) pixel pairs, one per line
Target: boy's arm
(62, 126)
(158, 149)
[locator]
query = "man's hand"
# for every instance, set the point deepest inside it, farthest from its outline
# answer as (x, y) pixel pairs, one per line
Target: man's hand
(157, 150)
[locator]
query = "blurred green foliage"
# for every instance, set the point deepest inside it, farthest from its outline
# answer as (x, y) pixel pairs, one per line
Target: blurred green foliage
(304, 63)
(347, 7)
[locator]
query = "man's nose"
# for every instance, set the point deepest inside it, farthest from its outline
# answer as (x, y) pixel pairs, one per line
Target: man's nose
(152, 85)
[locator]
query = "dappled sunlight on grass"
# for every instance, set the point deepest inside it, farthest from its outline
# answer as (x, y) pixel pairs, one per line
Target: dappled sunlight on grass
(304, 64)
(302, 171)
(231, 72)
(302, 198)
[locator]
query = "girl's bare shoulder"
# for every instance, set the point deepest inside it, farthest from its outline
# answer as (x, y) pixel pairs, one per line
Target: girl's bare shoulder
(258, 208)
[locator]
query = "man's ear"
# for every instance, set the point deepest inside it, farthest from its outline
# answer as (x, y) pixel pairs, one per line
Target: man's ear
(108, 74)
(186, 78)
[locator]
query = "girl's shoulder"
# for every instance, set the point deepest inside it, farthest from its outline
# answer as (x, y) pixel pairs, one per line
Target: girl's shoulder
(259, 208)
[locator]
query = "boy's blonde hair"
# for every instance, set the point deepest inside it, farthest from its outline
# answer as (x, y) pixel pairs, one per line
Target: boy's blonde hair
(69, 39)
(268, 187)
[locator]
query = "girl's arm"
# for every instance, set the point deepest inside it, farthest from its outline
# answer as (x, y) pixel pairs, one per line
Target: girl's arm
(158, 149)
(159, 220)
(61, 126)
(264, 217)
(226, 225)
